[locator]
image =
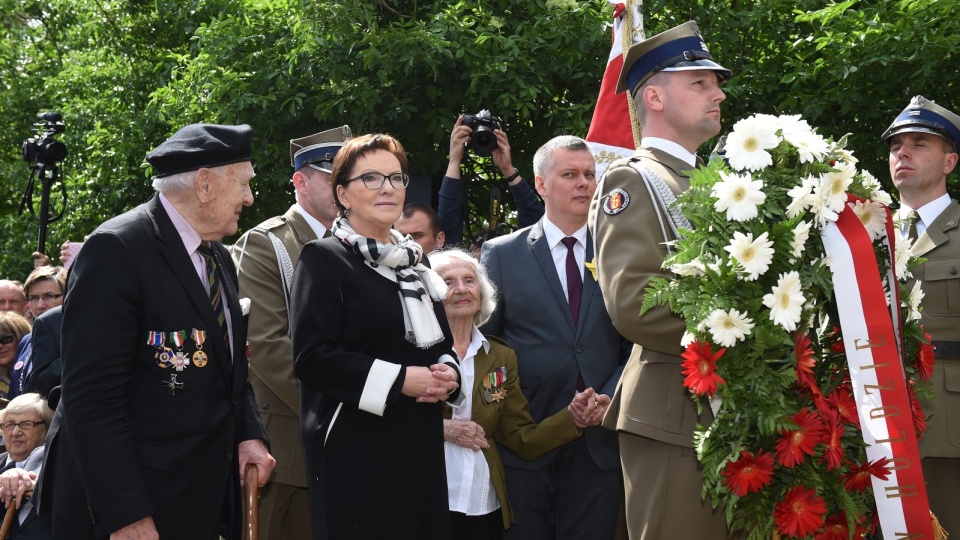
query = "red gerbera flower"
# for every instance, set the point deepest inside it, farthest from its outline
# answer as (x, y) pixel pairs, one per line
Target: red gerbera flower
(858, 479)
(835, 528)
(803, 349)
(832, 433)
(795, 444)
(748, 474)
(700, 367)
(800, 513)
(842, 402)
(919, 417)
(925, 358)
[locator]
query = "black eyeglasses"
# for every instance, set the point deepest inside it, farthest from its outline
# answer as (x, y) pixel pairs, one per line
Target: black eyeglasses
(7, 339)
(375, 180)
(26, 425)
(47, 297)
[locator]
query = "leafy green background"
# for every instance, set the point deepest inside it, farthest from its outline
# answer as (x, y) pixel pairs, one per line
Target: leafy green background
(127, 73)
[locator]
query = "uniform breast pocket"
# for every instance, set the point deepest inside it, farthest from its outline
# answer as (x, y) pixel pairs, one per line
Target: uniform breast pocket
(941, 286)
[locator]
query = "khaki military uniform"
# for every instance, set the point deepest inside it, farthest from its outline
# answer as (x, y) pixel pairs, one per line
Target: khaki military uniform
(284, 510)
(651, 409)
(940, 444)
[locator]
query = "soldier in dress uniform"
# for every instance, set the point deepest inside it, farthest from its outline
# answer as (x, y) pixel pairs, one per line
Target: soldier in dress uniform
(265, 257)
(923, 151)
(676, 86)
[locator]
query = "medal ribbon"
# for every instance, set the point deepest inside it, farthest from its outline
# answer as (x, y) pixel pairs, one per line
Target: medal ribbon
(199, 336)
(178, 338)
(874, 359)
(155, 339)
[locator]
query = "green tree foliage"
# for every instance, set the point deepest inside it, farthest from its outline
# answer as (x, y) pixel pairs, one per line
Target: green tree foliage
(128, 73)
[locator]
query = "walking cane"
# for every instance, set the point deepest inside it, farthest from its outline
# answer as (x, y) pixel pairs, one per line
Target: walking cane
(251, 493)
(8, 520)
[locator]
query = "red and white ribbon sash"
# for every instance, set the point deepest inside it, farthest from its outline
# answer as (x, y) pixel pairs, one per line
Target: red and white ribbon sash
(874, 359)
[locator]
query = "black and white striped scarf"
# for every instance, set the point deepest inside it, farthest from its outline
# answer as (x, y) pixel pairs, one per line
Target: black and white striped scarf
(418, 285)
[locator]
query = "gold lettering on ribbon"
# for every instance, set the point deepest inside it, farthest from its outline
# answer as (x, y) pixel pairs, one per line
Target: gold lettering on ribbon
(893, 463)
(908, 535)
(874, 366)
(906, 490)
(901, 438)
(883, 412)
(879, 387)
(860, 344)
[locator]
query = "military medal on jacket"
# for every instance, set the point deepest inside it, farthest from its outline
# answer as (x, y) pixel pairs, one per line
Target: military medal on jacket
(493, 385)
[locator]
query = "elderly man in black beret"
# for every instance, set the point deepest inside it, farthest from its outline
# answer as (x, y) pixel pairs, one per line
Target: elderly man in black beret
(156, 418)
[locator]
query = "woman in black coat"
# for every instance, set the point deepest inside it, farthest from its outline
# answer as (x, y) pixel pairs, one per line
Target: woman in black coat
(373, 353)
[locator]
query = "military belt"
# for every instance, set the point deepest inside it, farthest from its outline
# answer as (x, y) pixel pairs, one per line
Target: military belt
(947, 349)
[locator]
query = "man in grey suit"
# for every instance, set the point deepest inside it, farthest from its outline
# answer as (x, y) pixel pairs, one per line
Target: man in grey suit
(549, 309)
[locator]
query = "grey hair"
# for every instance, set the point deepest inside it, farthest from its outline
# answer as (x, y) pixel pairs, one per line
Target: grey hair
(174, 182)
(26, 403)
(488, 291)
(543, 159)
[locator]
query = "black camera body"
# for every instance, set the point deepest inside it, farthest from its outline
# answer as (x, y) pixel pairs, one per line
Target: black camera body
(483, 141)
(44, 148)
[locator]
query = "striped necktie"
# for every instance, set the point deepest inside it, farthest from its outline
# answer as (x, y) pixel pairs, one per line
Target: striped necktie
(216, 289)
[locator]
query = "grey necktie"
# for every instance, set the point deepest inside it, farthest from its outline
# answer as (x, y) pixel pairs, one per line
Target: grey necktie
(912, 218)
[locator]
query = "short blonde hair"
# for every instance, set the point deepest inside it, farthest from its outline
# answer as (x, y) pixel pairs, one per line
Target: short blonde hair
(53, 273)
(488, 292)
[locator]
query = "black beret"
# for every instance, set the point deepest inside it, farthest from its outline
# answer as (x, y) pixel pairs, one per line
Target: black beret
(201, 145)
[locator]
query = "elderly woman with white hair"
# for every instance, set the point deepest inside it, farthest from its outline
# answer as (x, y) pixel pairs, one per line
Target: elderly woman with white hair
(495, 410)
(24, 424)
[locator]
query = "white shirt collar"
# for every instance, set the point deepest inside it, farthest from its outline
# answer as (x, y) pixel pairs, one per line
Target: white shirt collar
(318, 228)
(554, 235)
(477, 340)
(930, 211)
(671, 148)
(188, 235)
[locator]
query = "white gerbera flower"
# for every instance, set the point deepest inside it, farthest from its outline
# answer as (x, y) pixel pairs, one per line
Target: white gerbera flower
(792, 124)
(834, 184)
(803, 197)
(786, 301)
(753, 255)
(747, 145)
(693, 268)
(800, 235)
(916, 295)
(728, 327)
(810, 146)
(738, 195)
(873, 216)
(822, 212)
(871, 184)
(687, 339)
(902, 255)
(844, 155)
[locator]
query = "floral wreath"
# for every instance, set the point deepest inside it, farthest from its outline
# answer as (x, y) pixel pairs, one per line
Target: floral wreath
(785, 453)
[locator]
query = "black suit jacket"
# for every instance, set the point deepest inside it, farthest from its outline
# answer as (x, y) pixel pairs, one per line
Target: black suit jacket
(122, 445)
(45, 373)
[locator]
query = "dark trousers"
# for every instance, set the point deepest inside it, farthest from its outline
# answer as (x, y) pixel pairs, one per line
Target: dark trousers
(485, 527)
(571, 498)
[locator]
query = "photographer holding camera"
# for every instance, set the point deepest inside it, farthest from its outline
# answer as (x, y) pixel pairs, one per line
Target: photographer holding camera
(485, 135)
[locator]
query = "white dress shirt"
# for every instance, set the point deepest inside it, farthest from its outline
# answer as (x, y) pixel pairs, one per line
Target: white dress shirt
(469, 487)
(671, 148)
(927, 213)
(554, 236)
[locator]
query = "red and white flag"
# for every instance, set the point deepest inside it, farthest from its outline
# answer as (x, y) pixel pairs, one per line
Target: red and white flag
(611, 129)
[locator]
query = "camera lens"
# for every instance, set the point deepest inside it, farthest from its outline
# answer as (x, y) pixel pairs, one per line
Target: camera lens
(483, 141)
